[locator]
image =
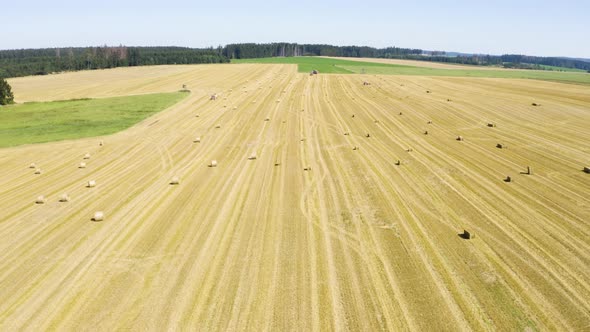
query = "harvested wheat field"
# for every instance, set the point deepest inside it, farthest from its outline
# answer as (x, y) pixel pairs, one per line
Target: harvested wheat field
(322, 230)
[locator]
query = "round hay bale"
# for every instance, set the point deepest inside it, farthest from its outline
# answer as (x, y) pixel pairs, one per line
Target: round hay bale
(459, 138)
(87, 156)
(40, 199)
(91, 184)
(266, 119)
(82, 165)
(64, 198)
(38, 171)
(252, 156)
(100, 143)
(196, 115)
(217, 126)
(197, 139)
(98, 216)
(175, 180)
(32, 165)
(213, 163)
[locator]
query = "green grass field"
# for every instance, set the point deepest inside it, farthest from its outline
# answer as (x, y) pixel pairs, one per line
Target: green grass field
(60, 120)
(337, 66)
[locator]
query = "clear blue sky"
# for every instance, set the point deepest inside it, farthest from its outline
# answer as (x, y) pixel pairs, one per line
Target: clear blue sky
(546, 28)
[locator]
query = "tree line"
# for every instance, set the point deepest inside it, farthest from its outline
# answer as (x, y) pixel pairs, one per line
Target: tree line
(14, 63)
(252, 50)
(25, 62)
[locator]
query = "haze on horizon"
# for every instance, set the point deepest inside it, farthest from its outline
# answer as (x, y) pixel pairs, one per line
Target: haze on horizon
(528, 27)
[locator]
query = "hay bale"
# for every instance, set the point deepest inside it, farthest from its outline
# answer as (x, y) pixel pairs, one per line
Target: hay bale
(87, 156)
(499, 146)
(459, 138)
(82, 165)
(196, 115)
(368, 135)
(535, 104)
(308, 168)
(427, 91)
(100, 143)
(491, 125)
(175, 180)
(398, 162)
(266, 119)
(353, 115)
(587, 170)
(252, 156)
(508, 179)
(64, 198)
(467, 235)
(346, 134)
(197, 139)
(217, 126)
(429, 122)
(425, 132)
(38, 171)
(355, 148)
(98, 216)
(91, 184)
(213, 97)
(40, 199)
(213, 163)
(400, 113)
(32, 165)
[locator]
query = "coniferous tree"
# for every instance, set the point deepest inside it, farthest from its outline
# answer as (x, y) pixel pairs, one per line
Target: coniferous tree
(6, 96)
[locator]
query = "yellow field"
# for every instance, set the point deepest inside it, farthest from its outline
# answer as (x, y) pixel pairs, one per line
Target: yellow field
(417, 63)
(354, 243)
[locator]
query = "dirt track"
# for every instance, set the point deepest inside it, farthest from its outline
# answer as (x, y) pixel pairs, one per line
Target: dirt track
(356, 243)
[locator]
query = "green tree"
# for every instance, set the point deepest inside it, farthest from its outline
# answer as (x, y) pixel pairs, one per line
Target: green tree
(6, 96)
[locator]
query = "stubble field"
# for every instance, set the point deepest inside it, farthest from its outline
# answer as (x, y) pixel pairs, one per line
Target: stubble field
(355, 242)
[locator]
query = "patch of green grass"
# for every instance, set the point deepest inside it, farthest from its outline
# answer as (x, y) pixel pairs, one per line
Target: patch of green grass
(554, 68)
(39, 122)
(338, 66)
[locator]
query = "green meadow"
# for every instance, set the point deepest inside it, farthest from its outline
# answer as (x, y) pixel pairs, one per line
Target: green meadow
(340, 66)
(39, 122)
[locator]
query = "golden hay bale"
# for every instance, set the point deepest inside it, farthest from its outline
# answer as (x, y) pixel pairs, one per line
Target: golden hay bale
(252, 156)
(38, 171)
(40, 199)
(91, 184)
(64, 198)
(459, 138)
(87, 156)
(308, 168)
(197, 139)
(398, 162)
(266, 119)
(355, 148)
(499, 146)
(98, 216)
(346, 134)
(491, 125)
(218, 126)
(196, 115)
(175, 180)
(32, 165)
(82, 165)
(100, 143)
(586, 169)
(213, 163)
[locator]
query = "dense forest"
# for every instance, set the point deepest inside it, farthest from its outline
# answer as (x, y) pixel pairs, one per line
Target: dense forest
(25, 62)
(251, 50)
